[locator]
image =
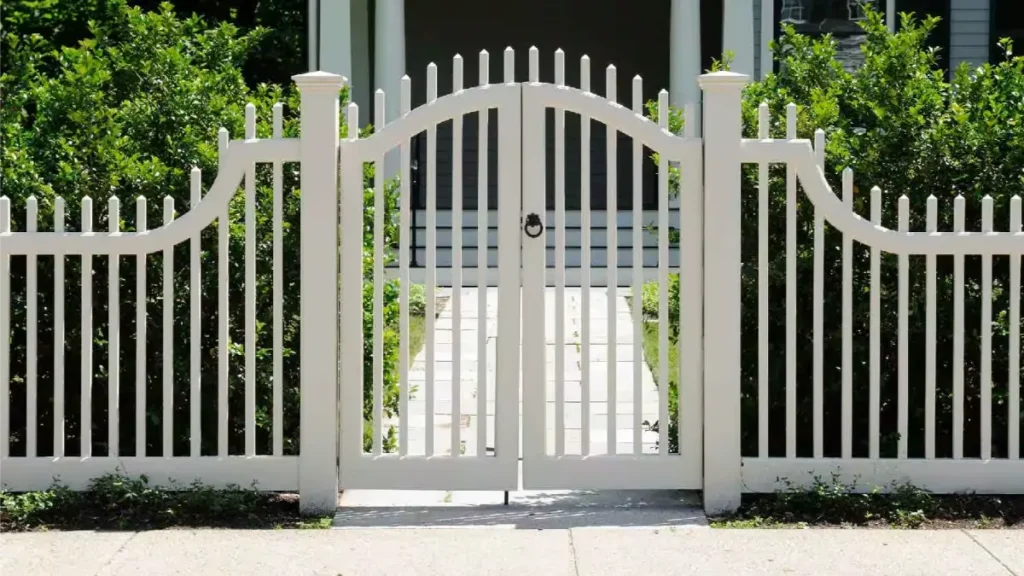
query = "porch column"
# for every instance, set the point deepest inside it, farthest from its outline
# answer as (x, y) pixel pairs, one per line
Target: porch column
(389, 53)
(684, 57)
(335, 30)
(344, 44)
(389, 64)
(738, 34)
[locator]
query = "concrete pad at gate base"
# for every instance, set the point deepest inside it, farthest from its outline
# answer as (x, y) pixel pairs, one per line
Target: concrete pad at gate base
(790, 552)
(59, 553)
(334, 552)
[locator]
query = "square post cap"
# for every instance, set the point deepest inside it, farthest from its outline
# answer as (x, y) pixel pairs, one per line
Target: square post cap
(319, 80)
(722, 79)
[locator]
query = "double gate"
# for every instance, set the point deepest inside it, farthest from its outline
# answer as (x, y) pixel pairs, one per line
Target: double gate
(560, 383)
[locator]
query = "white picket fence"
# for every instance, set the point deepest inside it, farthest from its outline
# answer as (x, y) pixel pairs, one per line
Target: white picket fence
(332, 352)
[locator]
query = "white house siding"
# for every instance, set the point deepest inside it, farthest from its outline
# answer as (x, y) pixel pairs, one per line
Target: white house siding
(970, 21)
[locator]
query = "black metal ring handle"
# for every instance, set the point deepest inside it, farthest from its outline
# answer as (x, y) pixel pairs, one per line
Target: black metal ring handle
(533, 226)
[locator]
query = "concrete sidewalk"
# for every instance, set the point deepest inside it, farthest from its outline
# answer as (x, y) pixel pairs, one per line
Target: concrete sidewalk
(478, 551)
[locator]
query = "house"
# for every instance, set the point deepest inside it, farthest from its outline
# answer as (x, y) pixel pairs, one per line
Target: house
(667, 42)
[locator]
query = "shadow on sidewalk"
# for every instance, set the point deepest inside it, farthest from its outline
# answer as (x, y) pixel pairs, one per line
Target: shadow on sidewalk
(536, 510)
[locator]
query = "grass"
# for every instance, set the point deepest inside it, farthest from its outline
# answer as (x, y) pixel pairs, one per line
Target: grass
(653, 357)
(120, 502)
(831, 503)
(417, 334)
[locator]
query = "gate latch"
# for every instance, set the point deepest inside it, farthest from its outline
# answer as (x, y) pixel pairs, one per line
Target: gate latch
(533, 226)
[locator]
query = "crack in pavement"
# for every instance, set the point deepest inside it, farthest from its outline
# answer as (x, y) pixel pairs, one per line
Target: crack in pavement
(990, 553)
(116, 552)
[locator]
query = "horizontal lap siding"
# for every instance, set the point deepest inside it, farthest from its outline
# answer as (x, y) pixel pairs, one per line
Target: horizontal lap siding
(970, 21)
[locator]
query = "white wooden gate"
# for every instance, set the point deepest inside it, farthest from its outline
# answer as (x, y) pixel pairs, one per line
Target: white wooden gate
(423, 459)
(589, 462)
(497, 418)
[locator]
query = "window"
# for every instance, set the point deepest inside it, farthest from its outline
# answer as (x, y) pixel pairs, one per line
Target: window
(793, 11)
(836, 17)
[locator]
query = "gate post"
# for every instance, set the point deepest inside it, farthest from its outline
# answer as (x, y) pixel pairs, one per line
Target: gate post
(723, 125)
(318, 410)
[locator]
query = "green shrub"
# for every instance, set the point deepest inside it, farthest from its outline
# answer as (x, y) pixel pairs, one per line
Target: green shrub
(120, 502)
(125, 108)
(901, 125)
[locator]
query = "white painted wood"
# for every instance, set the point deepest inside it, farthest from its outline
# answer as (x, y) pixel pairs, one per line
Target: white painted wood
(663, 279)
(875, 365)
(114, 335)
(5, 333)
(268, 472)
(244, 151)
(350, 442)
(456, 298)
(58, 334)
(1014, 376)
(510, 235)
(141, 289)
(31, 326)
(847, 367)
(847, 406)
(391, 472)
(405, 221)
(691, 309)
(816, 188)
(167, 360)
(250, 289)
(85, 422)
(942, 476)
(223, 312)
(534, 339)
(278, 280)
(559, 262)
(611, 156)
(791, 304)
(359, 470)
(903, 368)
(762, 288)
(819, 307)
(378, 285)
(958, 334)
(195, 326)
(428, 386)
(722, 293)
(613, 472)
(319, 277)
(638, 278)
(585, 259)
(932, 224)
(482, 194)
(986, 335)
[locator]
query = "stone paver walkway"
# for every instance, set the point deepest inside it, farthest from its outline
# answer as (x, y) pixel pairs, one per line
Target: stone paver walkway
(470, 376)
